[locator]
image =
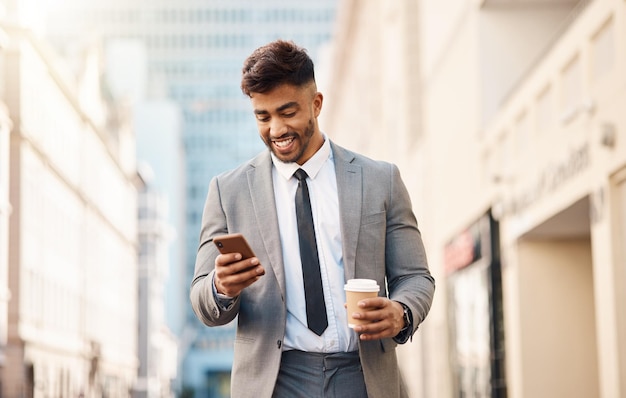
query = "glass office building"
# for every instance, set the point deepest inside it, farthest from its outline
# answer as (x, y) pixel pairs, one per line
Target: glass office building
(195, 50)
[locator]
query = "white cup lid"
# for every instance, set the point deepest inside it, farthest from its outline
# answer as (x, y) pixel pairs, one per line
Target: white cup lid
(361, 285)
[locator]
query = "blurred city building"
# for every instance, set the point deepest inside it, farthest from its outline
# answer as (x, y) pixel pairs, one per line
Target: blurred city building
(72, 313)
(507, 120)
(195, 51)
(158, 129)
(156, 126)
(157, 346)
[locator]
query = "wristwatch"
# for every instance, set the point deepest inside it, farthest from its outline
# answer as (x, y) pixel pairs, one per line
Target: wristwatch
(407, 318)
(406, 333)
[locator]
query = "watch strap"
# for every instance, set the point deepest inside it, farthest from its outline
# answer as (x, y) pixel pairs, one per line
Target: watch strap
(407, 331)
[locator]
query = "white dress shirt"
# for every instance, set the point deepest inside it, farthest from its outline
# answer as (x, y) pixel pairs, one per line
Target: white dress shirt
(322, 184)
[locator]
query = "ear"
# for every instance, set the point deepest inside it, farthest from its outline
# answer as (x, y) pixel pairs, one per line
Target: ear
(318, 99)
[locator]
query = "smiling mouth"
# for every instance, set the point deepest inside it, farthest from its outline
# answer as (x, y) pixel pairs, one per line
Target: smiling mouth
(283, 142)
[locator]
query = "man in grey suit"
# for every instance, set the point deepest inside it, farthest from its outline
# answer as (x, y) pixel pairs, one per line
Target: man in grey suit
(363, 227)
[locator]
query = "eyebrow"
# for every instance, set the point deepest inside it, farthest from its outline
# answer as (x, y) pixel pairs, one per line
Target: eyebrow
(292, 104)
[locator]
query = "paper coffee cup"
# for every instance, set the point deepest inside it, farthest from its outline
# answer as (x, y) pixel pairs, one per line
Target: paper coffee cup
(357, 290)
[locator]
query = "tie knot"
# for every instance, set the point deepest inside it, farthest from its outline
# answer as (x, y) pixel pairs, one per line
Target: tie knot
(300, 174)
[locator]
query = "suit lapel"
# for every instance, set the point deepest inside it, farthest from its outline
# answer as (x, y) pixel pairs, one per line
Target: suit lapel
(262, 193)
(349, 189)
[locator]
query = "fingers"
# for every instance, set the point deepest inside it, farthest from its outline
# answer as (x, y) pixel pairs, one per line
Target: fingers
(232, 274)
(385, 317)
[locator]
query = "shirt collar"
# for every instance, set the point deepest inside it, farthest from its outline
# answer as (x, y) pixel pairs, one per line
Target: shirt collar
(312, 166)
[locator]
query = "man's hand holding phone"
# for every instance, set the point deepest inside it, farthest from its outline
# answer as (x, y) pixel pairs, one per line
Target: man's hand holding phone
(236, 267)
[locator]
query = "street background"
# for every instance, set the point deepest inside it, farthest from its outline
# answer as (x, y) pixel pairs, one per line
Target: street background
(507, 120)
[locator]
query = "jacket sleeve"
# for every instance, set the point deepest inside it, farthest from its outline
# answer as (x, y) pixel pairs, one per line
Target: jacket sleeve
(409, 278)
(202, 297)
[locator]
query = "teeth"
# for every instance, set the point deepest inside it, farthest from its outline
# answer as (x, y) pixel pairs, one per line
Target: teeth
(283, 143)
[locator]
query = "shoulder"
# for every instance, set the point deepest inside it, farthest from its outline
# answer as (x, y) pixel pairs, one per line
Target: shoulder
(368, 164)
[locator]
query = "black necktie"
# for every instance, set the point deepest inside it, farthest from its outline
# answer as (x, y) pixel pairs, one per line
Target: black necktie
(313, 291)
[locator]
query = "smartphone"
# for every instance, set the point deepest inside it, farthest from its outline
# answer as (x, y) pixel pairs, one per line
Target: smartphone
(233, 243)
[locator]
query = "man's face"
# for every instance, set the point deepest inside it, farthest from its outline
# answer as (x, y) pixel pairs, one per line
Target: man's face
(287, 121)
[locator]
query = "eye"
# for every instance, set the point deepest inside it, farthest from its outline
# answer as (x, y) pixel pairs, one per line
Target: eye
(290, 114)
(262, 119)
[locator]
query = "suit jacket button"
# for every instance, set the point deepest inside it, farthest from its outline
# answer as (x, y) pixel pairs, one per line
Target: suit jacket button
(279, 344)
(216, 313)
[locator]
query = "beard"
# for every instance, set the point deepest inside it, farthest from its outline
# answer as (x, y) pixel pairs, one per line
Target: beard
(304, 139)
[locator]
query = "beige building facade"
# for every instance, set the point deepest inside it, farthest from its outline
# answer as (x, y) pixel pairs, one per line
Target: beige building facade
(508, 122)
(5, 211)
(72, 242)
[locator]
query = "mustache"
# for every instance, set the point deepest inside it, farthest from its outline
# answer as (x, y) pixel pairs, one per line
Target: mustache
(285, 136)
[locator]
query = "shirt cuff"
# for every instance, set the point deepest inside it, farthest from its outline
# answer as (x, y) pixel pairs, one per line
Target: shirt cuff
(225, 302)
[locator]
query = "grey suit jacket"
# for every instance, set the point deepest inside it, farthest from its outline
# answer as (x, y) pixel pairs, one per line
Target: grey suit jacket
(381, 241)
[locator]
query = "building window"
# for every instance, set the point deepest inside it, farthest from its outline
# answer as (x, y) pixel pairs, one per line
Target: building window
(522, 134)
(472, 262)
(544, 110)
(603, 50)
(572, 90)
(505, 156)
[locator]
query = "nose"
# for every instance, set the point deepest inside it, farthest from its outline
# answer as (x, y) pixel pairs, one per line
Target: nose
(277, 127)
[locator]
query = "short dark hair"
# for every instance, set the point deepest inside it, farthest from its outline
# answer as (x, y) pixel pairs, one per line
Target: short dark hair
(276, 63)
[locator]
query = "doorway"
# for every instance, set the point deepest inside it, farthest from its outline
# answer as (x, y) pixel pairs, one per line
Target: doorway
(557, 328)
